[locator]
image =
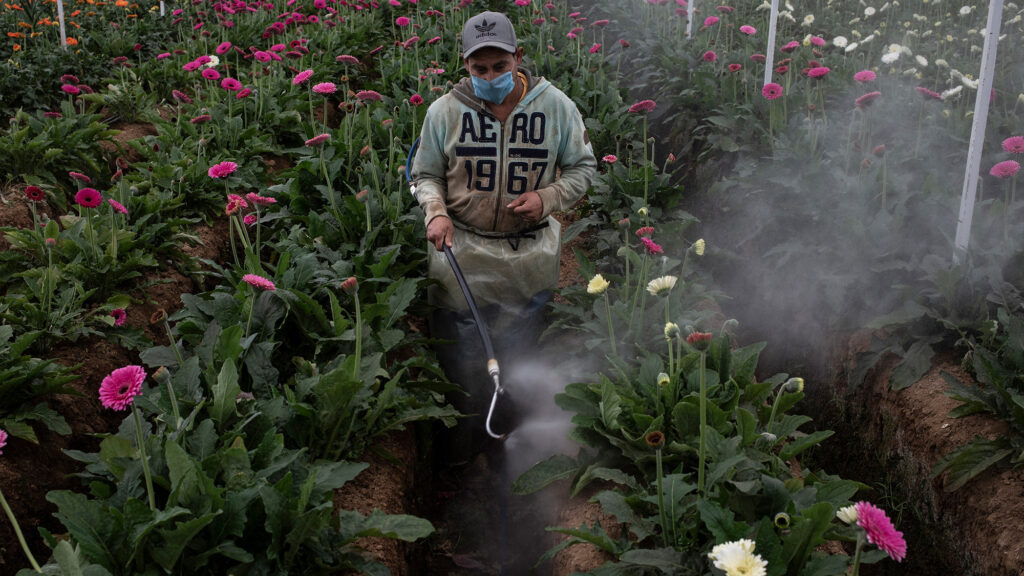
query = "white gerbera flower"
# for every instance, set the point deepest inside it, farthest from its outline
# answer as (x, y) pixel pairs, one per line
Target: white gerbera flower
(890, 57)
(661, 285)
(952, 92)
(969, 82)
(808, 20)
(851, 47)
(213, 61)
(965, 10)
(847, 514)
(869, 12)
(921, 61)
(738, 559)
(840, 41)
(597, 285)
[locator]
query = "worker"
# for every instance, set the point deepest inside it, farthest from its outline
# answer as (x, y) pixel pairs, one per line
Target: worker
(498, 154)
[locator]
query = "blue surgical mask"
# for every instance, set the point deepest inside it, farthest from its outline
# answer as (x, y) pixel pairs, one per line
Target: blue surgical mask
(496, 90)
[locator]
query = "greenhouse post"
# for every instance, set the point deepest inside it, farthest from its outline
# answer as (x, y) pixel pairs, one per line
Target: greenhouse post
(988, 65)
(769, 51)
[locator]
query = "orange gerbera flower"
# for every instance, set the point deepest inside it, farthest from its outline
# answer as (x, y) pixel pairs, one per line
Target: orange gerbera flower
(76, 13)
(15, 35)
(24, 25)
(121, 3)
(34, 34)
(17, 47)
(72, 42)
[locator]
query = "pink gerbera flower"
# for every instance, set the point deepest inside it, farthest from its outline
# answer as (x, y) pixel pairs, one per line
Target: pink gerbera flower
(80, 177)
(238, 200)
(119, 316)
(866, 100)
(817, 41)
(223, 47)
(771, 91)
(610, 158)
(70, 89)
(710, 21)
(790, 46)
(69, 79)
(318, 140)
(222, 169)
(595, 48)
(242, 93)
(643, 106)
(34, 193)
(1005, 169)
(370, 95)
(880, 530)
(201, 119)
(117, 206)
(302, 77)
(122, 385)
(3, 441)
(261, 56)
(261, 200)
(748, 30)
(735, 67)
(644, 231)
(864, 76)
(760, 58)
(181, 96)
(402, 21)
(88, 197)
(709, 56)
(259, 282)
(415, 99)
(325, 88)
(1014, 145)
(818, 72)
(249, 219)
(928, 94)
(346, 59)
(652, 247)
(230, 84)
(211, 74)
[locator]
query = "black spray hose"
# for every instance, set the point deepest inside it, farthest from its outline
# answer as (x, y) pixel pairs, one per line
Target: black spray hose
(492, 362)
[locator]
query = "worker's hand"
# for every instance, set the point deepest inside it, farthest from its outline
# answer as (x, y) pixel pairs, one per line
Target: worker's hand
(528, 206)
(440, 232)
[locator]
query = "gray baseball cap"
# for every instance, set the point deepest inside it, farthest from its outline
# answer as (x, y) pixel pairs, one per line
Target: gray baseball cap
(488, 29)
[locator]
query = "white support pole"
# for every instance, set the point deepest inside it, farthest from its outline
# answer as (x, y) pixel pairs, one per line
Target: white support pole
(769, 52)
(970, 191)
(161, 7)
(60, 20)
(690, 7)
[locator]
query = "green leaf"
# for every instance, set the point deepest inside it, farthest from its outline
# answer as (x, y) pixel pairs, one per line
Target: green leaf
(668, 560)
(614, 504)
(89, 522)
(915, 364)
(544, 473)
(721, 522)
(175, 541)
(224, 394)
(802, 443)
(396, 526)
(826, 565)
(969, 460)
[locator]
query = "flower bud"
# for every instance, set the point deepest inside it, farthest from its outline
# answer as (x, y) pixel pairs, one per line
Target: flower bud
(671, 330)
(655, 439)
(847, 514)
(663, 379)
(794, 385)
(699, 340)
(698, 247)
(782, 521)
(350, 285)
(159, 316)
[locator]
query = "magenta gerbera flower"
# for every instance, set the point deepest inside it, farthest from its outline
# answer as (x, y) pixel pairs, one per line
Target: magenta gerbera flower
(610, 158)
(222, 169)
(230, 84)
(370, 95)
(181, 96)
(709, 56)
(211, 74)
(790, 46)
(302, 77)
(325, 88)
(88, 197)
(402, 21)
(261, 200)
(880, 530)
(117, 206)
(242, 93)
(1014, 145)
(80, 177)
(261, 56)
(347, 59)
(771, 91)
(69, 79)
(318, 140)
(201, 119)
(121, 386)
(415, 99)
(928, 94)
(710, 21)
(735, 67)
(34, 193)
(1005, 169)
(652, 247)
(119, 316)
(259, 282)
(864, 76)
(643, 106)
(223, 47)
(3, 441)
(70, 89)
(748, 30)
(818, 72)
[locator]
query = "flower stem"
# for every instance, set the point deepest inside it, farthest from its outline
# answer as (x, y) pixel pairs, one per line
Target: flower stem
(611, 331)
(17, 532)
(703, 423)
(174, 344)
(856, 555)
(145, 460)
(661, 498)
(248, 322)
(359, 338)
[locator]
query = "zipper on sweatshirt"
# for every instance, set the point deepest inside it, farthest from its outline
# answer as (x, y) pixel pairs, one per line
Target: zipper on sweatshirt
(499, 185)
